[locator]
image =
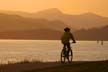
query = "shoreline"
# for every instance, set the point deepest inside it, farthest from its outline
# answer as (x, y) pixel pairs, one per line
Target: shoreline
(52, 66)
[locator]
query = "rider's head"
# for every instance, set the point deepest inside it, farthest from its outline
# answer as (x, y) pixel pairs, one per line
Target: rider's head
(66, 29)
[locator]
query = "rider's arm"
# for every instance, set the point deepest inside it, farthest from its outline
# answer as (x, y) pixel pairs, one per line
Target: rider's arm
(72, 37)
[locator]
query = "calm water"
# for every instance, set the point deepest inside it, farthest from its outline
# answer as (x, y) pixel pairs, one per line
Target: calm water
(44, 50)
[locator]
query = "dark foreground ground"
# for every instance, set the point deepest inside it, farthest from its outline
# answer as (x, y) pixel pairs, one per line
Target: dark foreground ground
(76, 66)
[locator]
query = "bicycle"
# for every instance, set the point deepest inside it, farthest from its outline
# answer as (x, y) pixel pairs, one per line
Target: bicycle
(65, 54)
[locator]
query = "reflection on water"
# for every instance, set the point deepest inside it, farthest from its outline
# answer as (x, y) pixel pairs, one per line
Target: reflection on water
(49, 50)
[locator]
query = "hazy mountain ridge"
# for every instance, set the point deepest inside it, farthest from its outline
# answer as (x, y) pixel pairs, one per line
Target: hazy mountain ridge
(15, 22)
(20, 13)
(18, 27)
(86, 20)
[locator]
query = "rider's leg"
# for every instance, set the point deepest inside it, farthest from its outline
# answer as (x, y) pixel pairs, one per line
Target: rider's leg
(69, 48)
(64, 48)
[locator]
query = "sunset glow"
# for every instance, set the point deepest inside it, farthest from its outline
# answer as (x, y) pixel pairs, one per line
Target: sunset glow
(67, 6)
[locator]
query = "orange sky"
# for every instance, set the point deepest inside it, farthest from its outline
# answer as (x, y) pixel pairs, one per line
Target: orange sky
(67, 6)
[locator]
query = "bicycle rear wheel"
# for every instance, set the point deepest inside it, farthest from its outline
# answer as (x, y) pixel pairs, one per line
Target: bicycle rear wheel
(63, 57)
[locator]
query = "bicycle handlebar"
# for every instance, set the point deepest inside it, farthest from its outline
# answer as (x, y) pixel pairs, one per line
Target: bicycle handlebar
(73, 42)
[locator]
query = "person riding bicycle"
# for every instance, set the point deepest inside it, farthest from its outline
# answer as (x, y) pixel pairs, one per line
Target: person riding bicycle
(66, 37)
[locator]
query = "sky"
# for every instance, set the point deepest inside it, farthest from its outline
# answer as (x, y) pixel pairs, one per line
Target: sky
(99, 7)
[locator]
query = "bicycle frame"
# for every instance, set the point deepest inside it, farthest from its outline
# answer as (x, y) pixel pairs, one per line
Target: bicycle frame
(65, 54)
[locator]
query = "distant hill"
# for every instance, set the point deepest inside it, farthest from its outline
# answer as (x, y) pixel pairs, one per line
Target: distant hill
(92, 34)
(36, 34)
(15, 23)
(50, 14)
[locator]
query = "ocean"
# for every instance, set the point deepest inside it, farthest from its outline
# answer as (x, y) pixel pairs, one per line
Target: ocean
(12, 51)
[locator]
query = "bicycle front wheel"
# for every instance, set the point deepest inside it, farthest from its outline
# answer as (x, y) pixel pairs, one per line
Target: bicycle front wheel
(70, 56)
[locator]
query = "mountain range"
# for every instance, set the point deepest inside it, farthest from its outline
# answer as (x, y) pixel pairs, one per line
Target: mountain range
(49, 24)
(86, 20)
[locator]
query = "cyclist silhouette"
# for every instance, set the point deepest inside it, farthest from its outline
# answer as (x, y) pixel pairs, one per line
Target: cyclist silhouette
(65, 39)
